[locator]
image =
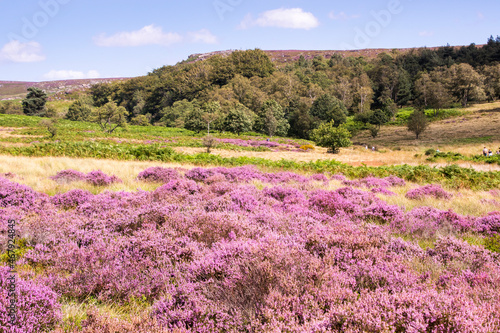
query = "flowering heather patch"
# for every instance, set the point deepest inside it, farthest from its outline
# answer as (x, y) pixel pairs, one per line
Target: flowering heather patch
(38, 309)
(209, 251)
(489, 224)
(99, 178)
(434, 191)
(71, 199)
(158, 174)
(16, 195)
(96, 177)
(382, 190)
(68, 176)
(428, 222)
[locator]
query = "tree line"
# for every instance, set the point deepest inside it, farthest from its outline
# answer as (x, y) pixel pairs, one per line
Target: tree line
(246, 91)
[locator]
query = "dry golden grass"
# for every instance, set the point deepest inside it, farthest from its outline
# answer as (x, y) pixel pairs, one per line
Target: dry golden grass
(480, 122)
(35, 172)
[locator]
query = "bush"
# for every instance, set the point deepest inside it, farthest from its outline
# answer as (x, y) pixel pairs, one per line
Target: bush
(329, 136)
(434, 191)
(37, 306)
(209, 142)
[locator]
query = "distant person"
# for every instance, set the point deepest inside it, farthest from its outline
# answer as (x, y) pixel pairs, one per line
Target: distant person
(490, 153)
(498, 152)
(373, 148)
(485, 151)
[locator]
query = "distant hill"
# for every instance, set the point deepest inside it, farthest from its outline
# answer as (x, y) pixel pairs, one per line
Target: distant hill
(285, 56)
(55, 89)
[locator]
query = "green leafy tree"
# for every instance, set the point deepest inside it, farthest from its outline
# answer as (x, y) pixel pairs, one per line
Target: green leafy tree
(78, 111)
(109, 117)
(417, 122)
(238, 120)
(174, 116)
(141, 120)
(328, 108)
(465, 83)
(101, 94)
(193, 120)
(329, 136)
(271, 119)
(378, 118)
(251, 63)
(34, 103)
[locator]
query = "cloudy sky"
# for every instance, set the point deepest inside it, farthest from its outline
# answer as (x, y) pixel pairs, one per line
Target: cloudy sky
(44, 40)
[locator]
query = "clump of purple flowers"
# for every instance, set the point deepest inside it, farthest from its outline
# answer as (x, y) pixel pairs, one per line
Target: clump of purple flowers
(99, 178)
(37, 307)
(158, 174)
(434, 191)
(71, 199)
(68, 176)
(96, 177)
(489, 224)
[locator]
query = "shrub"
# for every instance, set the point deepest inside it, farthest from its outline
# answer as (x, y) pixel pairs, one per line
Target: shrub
(99, 178)
(209, 142)
(37, 306)
(329, 136)
(489, 224)
(434, 191)
(158, 174)
(71, 199)
(68, 176)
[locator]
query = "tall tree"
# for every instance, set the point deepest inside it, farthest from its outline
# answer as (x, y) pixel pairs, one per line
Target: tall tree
(34, 103)
(328, 108)
(238, 120)
(271, 119)
(417, 122)
(465, 83)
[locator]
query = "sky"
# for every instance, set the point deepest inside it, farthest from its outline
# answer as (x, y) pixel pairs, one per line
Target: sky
(44, 40)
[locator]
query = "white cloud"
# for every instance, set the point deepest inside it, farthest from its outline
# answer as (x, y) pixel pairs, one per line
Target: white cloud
(16, 51)
(202, 36)
(426, 33)
(342, 16)
(293, 18)
(149, 35)
(71, 75)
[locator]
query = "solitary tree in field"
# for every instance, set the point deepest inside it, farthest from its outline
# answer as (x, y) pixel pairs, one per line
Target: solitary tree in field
(417, 122)
(329, 136)
(109, 117)
(34, 103)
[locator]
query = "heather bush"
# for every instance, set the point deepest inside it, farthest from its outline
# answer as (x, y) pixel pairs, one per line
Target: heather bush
(158, 174)
(99, 178)
(38, 309)
(489, 224)
(434, 191)
(20, 196)
(71, 199)
(68, 176)
(211, 251)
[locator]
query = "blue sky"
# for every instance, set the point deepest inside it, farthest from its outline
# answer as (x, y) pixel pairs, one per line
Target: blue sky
(44, 40)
